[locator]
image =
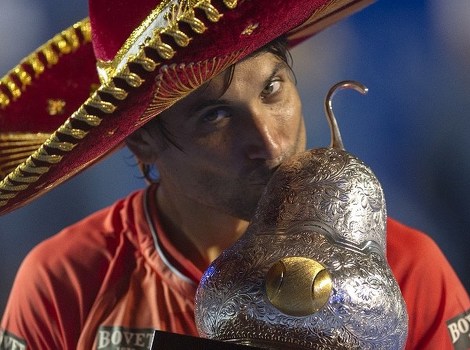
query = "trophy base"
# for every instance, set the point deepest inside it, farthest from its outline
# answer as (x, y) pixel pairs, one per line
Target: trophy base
(173, 341)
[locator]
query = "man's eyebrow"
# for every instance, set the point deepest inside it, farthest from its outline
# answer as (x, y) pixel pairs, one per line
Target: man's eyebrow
(279, 66)
(208, 103)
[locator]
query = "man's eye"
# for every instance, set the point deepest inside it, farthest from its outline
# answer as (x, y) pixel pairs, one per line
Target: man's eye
(215, 116)
(271, 88)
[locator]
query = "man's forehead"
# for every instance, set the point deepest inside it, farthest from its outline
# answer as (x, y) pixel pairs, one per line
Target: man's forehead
(260, 66)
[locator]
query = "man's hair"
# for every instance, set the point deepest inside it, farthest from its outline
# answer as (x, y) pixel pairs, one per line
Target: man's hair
(278, 47)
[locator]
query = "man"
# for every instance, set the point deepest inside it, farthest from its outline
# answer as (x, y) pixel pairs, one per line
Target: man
(112, 278)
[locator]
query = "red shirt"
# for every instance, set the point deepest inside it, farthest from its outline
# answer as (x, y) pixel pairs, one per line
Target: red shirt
(112, 278)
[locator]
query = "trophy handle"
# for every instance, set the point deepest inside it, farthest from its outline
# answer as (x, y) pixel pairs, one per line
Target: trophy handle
(336, 141)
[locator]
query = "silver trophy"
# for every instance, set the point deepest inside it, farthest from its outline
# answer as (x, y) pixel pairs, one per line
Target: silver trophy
(311, 270)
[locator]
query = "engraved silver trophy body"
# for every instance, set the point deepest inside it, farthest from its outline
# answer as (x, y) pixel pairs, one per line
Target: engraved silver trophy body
(311, 270)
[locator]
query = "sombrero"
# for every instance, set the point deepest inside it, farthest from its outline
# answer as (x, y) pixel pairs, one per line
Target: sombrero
(77, 97)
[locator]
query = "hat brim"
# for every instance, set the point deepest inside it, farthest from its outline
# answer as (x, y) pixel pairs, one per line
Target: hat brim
(167, 57)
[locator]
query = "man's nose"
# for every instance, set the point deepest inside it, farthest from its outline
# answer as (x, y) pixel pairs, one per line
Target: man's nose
(264, 136)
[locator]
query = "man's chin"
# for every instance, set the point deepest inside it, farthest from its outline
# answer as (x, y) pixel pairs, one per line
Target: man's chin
(247, 209)
(243, 203)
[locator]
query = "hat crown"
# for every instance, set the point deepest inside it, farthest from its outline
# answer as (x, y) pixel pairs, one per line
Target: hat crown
(112, 22)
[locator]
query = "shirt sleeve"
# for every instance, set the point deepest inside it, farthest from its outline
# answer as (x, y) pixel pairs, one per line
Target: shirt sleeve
(436, 299)
(31, 316)
(53, 292)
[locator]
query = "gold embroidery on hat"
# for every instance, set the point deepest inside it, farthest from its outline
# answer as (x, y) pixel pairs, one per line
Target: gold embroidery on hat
(54, 142)
(145, 62)
(176, 13)
(24, 77)
(116, 92)
(36, 64)
(96, 102)
(67, 129)
(165, 51)
(111, 132)
(10, 186)
(231, 4)
(52, 57)
(196, 24)
(4, 99)
(211, 12)
(24, 179)
(180, 38)
(16, 147)
(42, 156)
(55, 106)
(4, 196)
(163, 21)
(12, 86)
(67, 42)
(104, 69)
(132, 52)
(250, 29)
(22, 173)
(63, 43)
(83, 116)
(132, 79)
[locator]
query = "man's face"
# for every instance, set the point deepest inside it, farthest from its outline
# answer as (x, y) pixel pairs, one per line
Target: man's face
(231, 142)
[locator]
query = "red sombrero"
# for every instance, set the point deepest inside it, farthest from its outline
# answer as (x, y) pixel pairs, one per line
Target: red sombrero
(78, 96)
